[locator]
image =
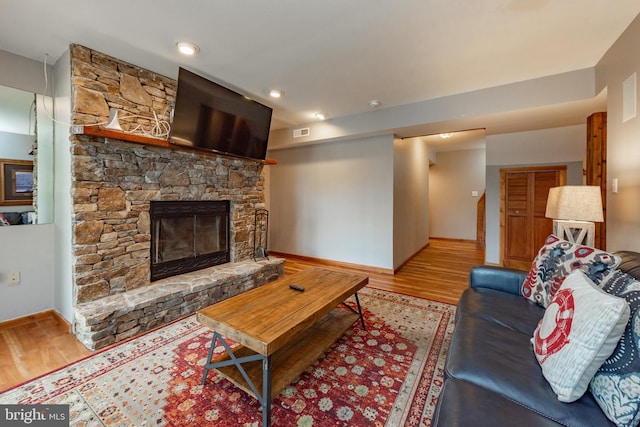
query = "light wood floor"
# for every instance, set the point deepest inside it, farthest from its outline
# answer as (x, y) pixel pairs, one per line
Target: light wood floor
(35, 345)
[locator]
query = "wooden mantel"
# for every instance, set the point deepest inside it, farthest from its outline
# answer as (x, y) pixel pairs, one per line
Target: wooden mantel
(142, 139)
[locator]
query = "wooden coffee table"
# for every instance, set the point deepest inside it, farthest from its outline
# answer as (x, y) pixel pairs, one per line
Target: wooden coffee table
(280, 331)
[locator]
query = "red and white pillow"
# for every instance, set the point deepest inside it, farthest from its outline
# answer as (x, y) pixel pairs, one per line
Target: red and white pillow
(578, 332)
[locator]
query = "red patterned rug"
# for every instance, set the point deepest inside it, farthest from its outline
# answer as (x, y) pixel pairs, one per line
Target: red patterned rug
(387, 375)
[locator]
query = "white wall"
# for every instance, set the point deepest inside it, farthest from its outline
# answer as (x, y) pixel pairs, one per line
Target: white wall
(16, 112)
(62, 186)
(623, 141)
(565, 145)
(452, 207)
(15, 146)
(410, 198)
(28, 249)
(21, 73)
(334, 201)
(45, 159)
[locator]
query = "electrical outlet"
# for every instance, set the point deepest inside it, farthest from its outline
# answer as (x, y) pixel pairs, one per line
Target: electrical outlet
(14, 279)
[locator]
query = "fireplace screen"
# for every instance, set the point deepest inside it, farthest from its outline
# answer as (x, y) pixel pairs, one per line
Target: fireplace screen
(188, 236)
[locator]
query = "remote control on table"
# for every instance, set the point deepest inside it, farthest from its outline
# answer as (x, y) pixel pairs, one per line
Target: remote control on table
(296, 287)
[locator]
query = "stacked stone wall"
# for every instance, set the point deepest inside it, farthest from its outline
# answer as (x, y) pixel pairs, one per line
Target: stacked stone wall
(113, 182)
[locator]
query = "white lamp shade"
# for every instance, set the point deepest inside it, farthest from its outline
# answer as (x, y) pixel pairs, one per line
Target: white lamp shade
(575, 202)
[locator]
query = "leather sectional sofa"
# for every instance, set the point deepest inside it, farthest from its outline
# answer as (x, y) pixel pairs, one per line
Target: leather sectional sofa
(492, 377)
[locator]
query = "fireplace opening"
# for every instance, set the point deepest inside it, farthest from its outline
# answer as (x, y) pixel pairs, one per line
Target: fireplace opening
(188, 236)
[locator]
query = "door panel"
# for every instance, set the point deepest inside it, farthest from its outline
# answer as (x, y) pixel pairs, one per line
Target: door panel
(542, 226)
(517, 190)
(518, 213)
(524, 227)
(517, 247)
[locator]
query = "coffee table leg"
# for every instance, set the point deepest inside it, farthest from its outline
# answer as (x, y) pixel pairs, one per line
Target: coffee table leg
(360, 311)
(266, 391)
(206, 368)
(265, 399)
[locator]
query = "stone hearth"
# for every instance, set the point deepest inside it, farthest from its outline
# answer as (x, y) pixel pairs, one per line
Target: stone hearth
(121, 316)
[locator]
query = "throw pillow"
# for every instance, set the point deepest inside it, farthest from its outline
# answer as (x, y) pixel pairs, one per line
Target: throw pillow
(578, 332)
(3, 220)
(12, 217)
(616, 385)
(556, 259)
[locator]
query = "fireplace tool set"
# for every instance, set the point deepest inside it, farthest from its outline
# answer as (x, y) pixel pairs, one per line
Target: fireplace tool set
(260, 234)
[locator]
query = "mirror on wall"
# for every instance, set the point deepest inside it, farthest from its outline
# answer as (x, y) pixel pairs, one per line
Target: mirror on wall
(26, 158)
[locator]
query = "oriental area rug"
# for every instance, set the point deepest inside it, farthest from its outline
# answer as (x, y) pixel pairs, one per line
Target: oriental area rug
(387, 375)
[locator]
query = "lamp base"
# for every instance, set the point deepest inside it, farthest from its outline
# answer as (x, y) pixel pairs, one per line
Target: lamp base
(580, 232)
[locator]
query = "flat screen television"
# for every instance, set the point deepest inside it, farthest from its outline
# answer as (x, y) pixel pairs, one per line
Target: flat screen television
(212, 117)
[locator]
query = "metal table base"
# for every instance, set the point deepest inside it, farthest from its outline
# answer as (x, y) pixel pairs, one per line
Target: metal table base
(265, 397)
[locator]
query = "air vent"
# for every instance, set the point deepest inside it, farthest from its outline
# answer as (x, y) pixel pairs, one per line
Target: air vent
(299, 133)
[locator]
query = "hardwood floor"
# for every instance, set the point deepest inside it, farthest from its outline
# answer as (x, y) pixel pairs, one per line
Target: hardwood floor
(34, 345)
(37, 344)
(439, 272)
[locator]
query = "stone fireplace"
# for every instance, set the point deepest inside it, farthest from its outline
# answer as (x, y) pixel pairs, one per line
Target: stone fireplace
(116, 184)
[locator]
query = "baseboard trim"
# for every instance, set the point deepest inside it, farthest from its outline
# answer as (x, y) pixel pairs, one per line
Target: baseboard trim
(7, 324)
(450, 239)
(332, 263)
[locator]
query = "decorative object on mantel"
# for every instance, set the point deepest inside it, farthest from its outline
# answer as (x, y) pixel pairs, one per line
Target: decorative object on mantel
(114, 123)
(575, 209)
(261, 234)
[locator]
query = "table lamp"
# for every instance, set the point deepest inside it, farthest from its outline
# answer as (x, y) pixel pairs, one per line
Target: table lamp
(575, 209)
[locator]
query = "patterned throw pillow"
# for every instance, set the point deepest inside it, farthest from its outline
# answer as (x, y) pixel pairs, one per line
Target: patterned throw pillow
(580, 328)
(616, 385)
(556, 259)
(4, 221)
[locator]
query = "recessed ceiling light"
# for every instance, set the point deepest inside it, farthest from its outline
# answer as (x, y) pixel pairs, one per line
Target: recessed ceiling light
(446, 135)
(320, 116)
(276, 93)
(188, 48)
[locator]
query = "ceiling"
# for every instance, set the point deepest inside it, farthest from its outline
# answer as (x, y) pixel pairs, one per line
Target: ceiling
(335, 56)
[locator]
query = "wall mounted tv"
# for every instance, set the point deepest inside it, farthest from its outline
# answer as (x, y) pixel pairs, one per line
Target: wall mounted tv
(212, 117)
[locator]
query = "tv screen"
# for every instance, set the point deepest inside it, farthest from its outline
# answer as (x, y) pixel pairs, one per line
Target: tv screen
(212, 117)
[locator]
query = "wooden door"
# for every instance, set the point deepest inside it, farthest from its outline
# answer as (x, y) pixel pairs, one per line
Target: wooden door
(523, 194)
